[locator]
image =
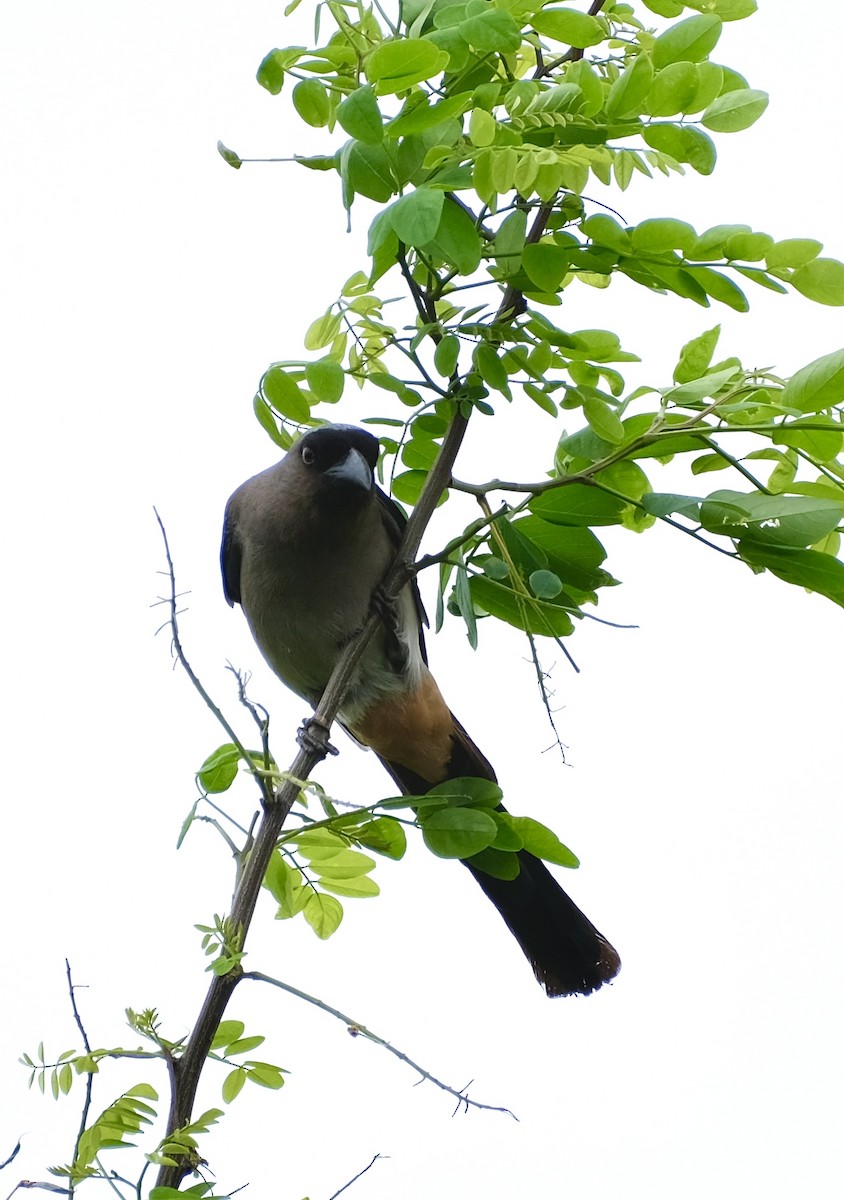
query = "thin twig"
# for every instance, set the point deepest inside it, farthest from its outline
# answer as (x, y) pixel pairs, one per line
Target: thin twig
(541, 677)
(355, 1178)
(32, 1183)
(357, 1030)
(89, 1075)
(171, 602)
(12, 1156)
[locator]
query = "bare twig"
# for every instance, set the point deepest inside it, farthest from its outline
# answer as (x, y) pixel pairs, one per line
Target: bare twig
(541, 677)
(355, 1178)
(89, 1077)
(12, 1156)
(34, 1183)
(357, 1030)
(171, 602)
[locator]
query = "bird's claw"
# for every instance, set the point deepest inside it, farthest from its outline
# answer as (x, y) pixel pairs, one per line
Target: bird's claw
(385, 607)
(312, 736)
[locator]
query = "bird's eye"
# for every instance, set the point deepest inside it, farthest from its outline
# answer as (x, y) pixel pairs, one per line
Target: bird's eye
(308, 456)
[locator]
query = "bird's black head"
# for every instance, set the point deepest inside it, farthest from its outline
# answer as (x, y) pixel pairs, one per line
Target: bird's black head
(342, 458)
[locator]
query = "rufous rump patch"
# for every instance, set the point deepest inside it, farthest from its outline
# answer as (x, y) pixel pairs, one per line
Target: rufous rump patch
(413, 729)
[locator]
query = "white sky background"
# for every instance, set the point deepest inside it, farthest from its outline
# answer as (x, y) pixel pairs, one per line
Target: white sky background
(147, 286)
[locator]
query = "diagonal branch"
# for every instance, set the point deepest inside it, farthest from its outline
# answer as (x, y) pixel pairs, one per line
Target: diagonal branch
(188, 1069)
(358, 1030)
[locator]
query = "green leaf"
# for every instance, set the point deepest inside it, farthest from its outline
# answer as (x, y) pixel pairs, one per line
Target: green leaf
(627, 93)
(383, 835)
(662, 504)
(500, 864)
(467, 792)
(418, 117)
(691, 40)
(359, 887)
(233, 1085)
(506, 839)
(457, 239)
(521, 611)
(395, 65)
(824, 444)
(606, 231)
(285, 885)
(577, 504)
(727, 10)
(326, 379)
(546, 264)
(603, 418)
(244, 1045)
(323, 914)
(446, 354)
(322, 331)
(310, 99)
(268, 422)
(457, 832)
(708, 463)
(227, 1032)
(818, 385)
(482, 127)
(360, 116)
(545, 585)
(735, 111)
(659, 234)
(285, 395)
(719, 287)
(510, 242)
(673, 90)
(367, 171)
(569, 26)
(778, 520)
(266, 1075)
(685, 143)
(492, 30)
(219, 770)
(420, 453)
(316, 162)
(793, 252)
(696, 356)
(408, 486)
(805, 568)
(750, 247)
(348, 864)
(465, 605)
(700, 388)
(490, 367)
(821, 280)
(270, 73)
(573, 554)
(543, 843)
(665, 8)
(229, 156)
(415, 218)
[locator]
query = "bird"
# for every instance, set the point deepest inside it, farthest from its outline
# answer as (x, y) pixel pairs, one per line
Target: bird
(306, 545)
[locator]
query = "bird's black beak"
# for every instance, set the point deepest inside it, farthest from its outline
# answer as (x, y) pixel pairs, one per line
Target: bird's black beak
(353, 472)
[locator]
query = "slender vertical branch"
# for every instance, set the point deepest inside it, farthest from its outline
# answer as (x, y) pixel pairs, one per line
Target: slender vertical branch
(89, 1077)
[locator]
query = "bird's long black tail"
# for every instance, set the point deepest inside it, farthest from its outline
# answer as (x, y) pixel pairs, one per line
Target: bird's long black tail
(568, 954)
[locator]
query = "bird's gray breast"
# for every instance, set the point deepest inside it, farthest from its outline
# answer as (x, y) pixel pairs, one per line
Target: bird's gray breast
(304, 608)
